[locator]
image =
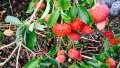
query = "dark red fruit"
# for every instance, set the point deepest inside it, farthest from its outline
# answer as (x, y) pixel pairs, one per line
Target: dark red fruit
(87, 30)
(77, 24)
(108, 34)
(73, 36)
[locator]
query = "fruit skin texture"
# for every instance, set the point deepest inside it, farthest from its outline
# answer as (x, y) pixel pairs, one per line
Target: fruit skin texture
(101, 25)
(77, 24)
(108, 34)
(114, 41)
(73, 36)
(87, 30)
(61, 29)
(74, 54)
(111, 62)
(60, 52)
(115, 8)
(99, 12)
(60, 59)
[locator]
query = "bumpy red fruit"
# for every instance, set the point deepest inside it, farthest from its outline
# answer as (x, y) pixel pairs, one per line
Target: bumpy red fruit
(60, 52)
(74, 54)
(61, 29)
(111, 62)
(99, 12)
(87, 30)
(73, 36)
(77, 24)
(108, 34)
(60, 59)
(114, 41)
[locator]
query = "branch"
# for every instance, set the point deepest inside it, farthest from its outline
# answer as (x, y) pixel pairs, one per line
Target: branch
(7, 45)
(2, 63)
(118, 66)
(28, 49)
(35, 11)
(17, 58)
(90, 39)
(86, 57)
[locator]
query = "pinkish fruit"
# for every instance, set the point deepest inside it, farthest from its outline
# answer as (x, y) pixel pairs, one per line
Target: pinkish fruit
(74, 54)
(99, 12)
(111, 62)
(60, 59)
(60, 52)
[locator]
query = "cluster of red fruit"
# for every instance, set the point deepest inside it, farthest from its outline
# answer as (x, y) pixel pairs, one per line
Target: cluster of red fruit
(72, 53)
(99, 13)
(111, 38)
(72, 30)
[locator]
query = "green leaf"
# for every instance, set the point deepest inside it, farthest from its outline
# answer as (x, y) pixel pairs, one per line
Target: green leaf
(53, 50)
(40, 27)
(30, 7)
(53, 18)
(85, 16)
(32, 63)
(13, 20)
(64, 4)
(31, 27)
(66, 18)
(101, 57)
(31, 39)
(73, 12)
(74, 66)
(104, 65)
(90, 2)
(20, 32)
(117, 35)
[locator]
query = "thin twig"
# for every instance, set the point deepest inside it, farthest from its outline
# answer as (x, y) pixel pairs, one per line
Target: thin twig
(11, 7)
(35, 11)
(17, 58)
(118, 66)
(86, 57)
(89, 39)
(29, 50)
(7, 45)
(2, 63)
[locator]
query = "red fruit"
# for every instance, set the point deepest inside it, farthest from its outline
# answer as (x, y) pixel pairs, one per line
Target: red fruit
(99, 12)
(108, 34)
(74, 36)
(41, 7)
(114, 41)
(101, 25)
(60, 59)
(60, 52)
(87, 30)
(111, 62)
(77, 24)
(61, 29)
(74, 54)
